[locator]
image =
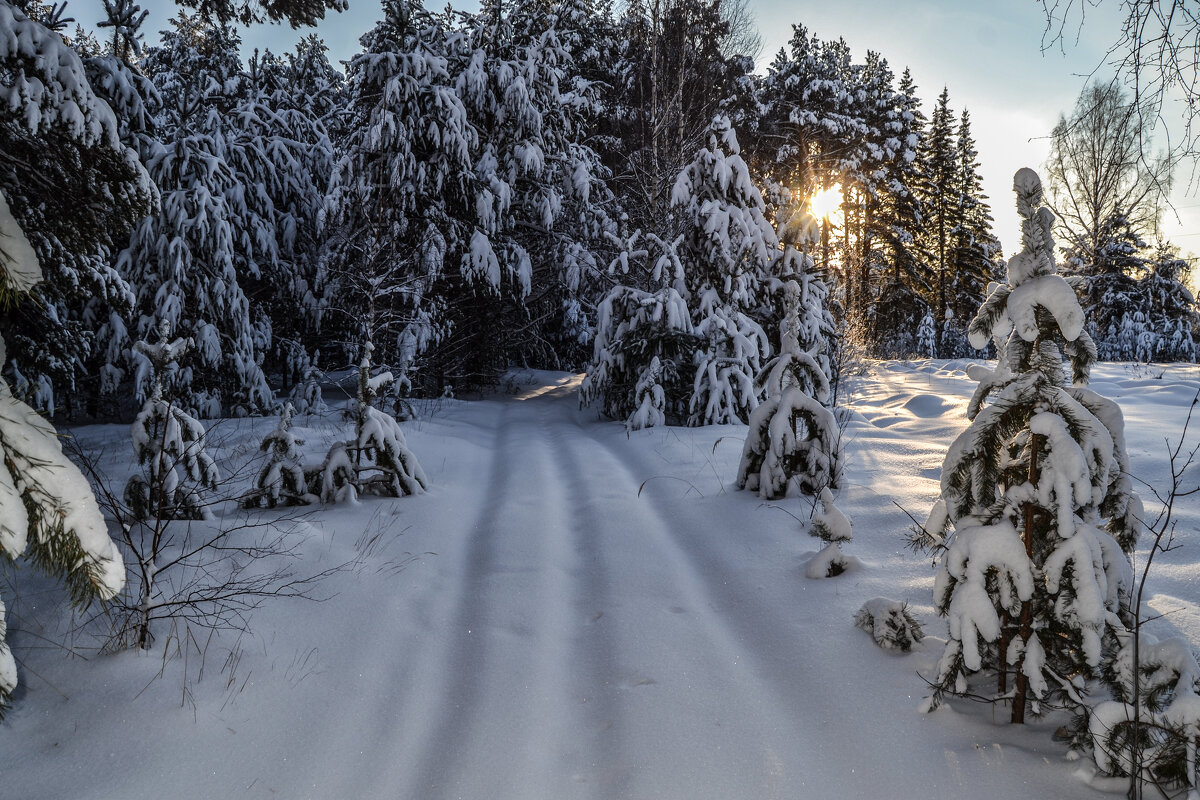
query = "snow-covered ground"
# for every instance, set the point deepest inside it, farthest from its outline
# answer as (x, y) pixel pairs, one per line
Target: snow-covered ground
(571, 613)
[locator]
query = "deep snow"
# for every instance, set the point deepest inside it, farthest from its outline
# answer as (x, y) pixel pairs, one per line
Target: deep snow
(569, 612)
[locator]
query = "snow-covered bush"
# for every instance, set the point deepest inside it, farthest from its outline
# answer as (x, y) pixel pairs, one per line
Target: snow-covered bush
(377, 460)
(281, 479)
(890, 623)
(792, 433)
(47, 509)
(832, 527)
(1036, 512)
(165, 438)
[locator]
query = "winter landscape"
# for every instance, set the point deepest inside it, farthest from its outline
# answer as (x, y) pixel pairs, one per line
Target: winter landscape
(563, 399)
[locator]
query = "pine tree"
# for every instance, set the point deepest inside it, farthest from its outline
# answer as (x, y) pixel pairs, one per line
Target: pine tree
(76, 189)
(400, 196)
(534, 194)
(636, 328)
(900, 302)
(281, 478)
(47, 510)
(217, 229)
(1169, 306)
(1036, 492)
(792, 433)
(728, 246)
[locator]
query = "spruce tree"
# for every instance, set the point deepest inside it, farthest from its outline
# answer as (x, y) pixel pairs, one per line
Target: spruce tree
(973, 247)
(940, 199)
(1036, 515)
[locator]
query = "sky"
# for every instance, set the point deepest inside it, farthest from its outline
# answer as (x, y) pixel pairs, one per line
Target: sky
(988, 53)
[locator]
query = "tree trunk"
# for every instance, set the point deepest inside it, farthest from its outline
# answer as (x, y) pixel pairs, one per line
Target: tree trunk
(1021, 689)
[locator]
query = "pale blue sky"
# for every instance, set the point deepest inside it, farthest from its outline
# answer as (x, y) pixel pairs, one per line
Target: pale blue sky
(989, 54)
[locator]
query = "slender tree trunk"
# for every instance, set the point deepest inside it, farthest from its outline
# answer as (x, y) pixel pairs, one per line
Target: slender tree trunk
(1021, 689)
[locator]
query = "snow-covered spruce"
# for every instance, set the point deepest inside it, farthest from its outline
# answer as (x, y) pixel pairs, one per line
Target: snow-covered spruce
(165, 438)
(377, 460)
(833, 527)
(1036, 512)
(76, 190)
(792, 434)
(281, 479)
(47, 509)
(890, 623)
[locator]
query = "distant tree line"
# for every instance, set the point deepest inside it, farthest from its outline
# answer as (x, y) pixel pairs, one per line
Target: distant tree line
(475, 185)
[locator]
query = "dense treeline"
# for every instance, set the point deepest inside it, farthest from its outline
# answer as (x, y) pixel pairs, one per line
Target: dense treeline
(473, 188)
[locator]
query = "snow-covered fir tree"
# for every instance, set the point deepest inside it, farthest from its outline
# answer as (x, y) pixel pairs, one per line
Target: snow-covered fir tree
(927, 336)
(727, 246)
(1169, 305)
(649, 397)
(635, 328)
(833, 527)
(166, 439)
(792, 433)
(1037, 514)
(48, 513)
(537, 193)
(400, 195)
(974, 249)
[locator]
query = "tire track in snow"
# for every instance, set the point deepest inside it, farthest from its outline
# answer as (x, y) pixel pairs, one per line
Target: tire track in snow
(617, 525)
(483, 739)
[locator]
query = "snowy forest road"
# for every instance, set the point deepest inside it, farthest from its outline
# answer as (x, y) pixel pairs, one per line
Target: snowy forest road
(567, 614)
(612, 620)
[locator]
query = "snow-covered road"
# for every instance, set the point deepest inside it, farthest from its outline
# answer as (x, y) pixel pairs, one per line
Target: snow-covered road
(568, 613)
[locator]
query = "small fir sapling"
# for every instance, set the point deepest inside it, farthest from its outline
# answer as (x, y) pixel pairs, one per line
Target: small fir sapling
(833, 527)
(281, 480)
(1036, 515)
(377, 460)
(650, 399)
(792, 434)
(165, 437)
(306, 396)
(890, 623)
(927, 336)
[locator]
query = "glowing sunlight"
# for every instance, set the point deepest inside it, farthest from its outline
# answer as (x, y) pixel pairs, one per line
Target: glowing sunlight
(826, 204)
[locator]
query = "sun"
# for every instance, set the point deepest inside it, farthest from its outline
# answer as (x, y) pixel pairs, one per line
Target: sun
(826, 204)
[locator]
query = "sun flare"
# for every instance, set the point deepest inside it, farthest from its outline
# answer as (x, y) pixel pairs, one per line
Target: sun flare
(826, 204)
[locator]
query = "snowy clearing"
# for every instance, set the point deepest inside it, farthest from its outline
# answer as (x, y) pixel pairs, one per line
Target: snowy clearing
(571, 613)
